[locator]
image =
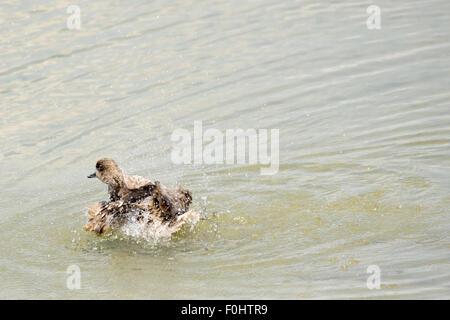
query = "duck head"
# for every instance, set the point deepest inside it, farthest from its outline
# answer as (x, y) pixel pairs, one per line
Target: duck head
(107, 171)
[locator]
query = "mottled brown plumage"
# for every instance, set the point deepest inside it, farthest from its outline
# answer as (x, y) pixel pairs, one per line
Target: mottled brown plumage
(134, 198)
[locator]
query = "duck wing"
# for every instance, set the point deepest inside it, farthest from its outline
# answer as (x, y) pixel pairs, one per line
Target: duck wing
(135, 182)
(172, 202)
(139, 193)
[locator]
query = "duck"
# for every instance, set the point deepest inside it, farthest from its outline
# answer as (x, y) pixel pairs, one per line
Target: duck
(149, 206)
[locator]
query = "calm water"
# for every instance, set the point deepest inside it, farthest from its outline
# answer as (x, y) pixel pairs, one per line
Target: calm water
(364, 120)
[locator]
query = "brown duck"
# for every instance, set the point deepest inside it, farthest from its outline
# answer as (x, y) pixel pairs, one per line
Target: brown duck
(153, 207)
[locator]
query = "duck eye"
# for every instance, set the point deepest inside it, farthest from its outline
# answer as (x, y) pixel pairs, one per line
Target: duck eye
(99, 167)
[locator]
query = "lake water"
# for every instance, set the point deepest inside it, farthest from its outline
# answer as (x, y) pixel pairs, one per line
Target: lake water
(364, 146)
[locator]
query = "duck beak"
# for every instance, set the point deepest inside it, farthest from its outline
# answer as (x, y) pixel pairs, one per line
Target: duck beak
(92, 175)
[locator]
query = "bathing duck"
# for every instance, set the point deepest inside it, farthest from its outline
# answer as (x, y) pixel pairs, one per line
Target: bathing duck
(134, 199)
